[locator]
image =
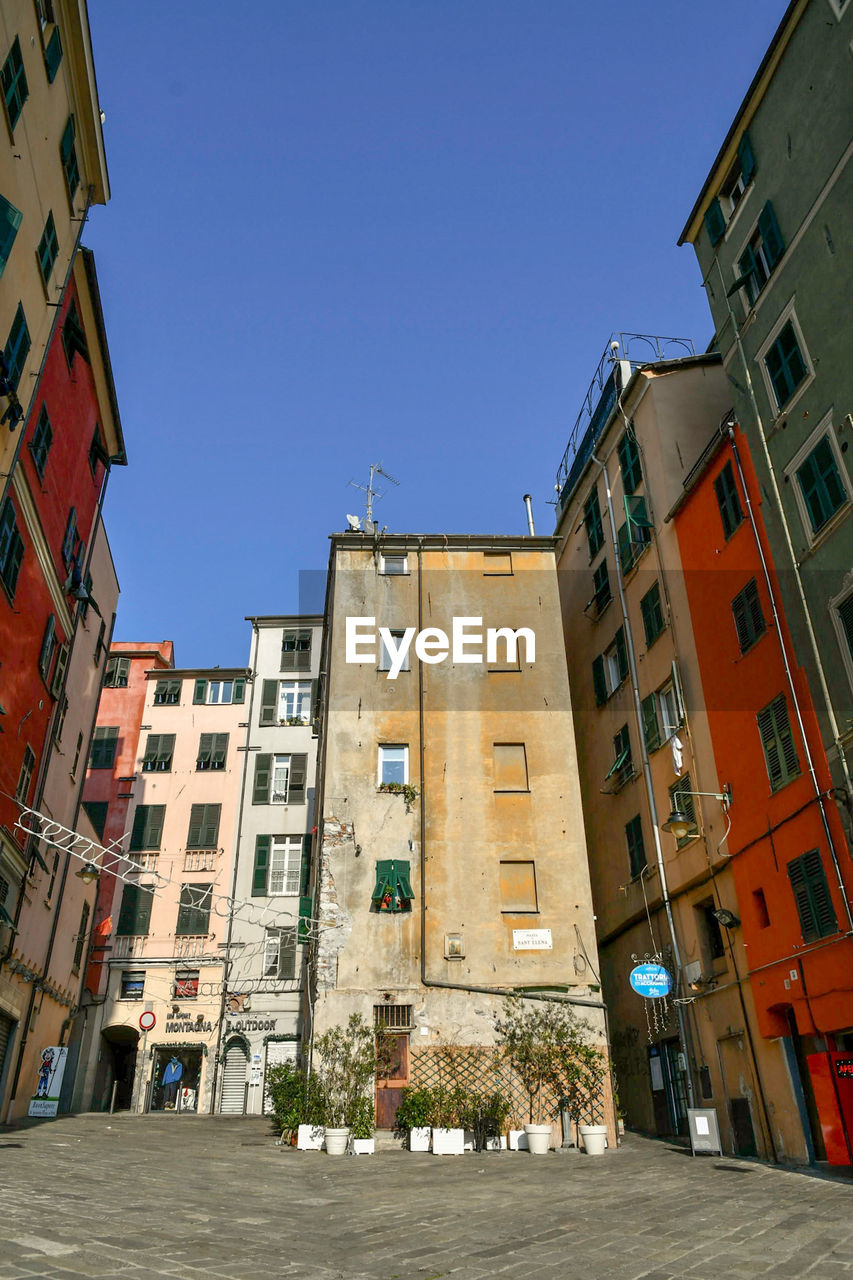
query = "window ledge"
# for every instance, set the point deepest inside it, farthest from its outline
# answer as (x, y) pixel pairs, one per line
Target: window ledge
(826, 531)
(783, 413)
(512, 791)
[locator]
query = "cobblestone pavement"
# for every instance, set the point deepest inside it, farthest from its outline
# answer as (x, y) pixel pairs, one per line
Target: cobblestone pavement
(184, 1196)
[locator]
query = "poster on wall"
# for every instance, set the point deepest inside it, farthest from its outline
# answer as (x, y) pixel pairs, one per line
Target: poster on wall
(51, 1068)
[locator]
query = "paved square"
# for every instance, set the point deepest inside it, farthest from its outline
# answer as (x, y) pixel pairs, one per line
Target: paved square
(185, 1196)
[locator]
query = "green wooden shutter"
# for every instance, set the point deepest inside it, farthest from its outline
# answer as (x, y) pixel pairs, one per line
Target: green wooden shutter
(715, 222)
(59, 670)
(404, 884)
(747, 159)
(774, 245)
(194, 909)
(263, 771)
(269, 702)
(812, 896)
(287, 955)
(305, 872)
(219, 750)
(845, 614)
(262, 865)
(53, 55)
(651, 728)
(298, 768)
(135, 914)
(306, 911)
(204, 826)
(777, 740)
(205, 751)
(152, 751)
(599, 683)
(10, 220)
(636, 847)
(200, 691)
(47, 646)
(238, 693)
(384, 878)
(621, 653)
(315, 697)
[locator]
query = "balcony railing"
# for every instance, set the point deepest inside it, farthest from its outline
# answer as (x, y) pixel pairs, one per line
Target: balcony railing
(129, 947)
(200, 859)
(190, 944)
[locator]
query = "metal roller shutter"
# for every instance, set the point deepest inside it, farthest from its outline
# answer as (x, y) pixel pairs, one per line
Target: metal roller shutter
(234, 1079)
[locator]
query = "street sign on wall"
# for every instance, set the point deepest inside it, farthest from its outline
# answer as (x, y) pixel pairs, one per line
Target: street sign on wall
(652, 981)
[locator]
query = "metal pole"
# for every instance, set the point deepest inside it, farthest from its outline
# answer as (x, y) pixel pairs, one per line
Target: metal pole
(113, 1097)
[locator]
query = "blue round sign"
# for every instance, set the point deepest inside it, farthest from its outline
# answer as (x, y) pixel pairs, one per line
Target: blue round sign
(651, 980)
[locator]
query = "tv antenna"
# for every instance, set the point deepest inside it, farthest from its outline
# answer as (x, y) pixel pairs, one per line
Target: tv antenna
(376, 469)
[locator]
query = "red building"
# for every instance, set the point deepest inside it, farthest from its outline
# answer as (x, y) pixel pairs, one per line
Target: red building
(788, 854)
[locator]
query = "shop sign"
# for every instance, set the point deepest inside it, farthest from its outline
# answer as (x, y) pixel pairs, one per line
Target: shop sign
(252, 1024)
(51, 1069)
(844, 1068)
(652, 981)
(187, 1026)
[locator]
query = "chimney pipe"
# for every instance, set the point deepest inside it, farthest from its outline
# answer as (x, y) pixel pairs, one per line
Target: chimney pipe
(528, 504)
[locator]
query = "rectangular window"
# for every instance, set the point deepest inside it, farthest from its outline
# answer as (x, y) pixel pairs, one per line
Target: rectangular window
(764, 250)
(780, 753)
(844, 612)
(393, 764)
(629, 461)
(669, 710)
(602, 595)
(48, 646)
(394, 564)
(68, 156)
(96, 812)
(728, 500)
(73, 336)
(167, 693)
(134, 918)
(132, 985)
(10, 221)
(385, 656)
(221, 692)
(60, 665)
(17, 348)
(76, 759)
(81, 939)
(713, 946)
(592, 521)
(159, 749)
(48, 249)
(25, 777)
(147, 830)
(280, 779)
(785, 365)
(393, 888)
(53, 55)
(14, 82)
(821, 485)
(116, 672)
(759, 905)
(41, 442)
(11, 548)
(622, 769)
(99, 643)
(212, 751)
(510, 767)
(69, 541)
(98, 455)
(194, 910)
(296, 651)
(738, 179)
(285, 866)
(186, 984)
(615, 660)
(633, 536)
(203, 830)
(294, 701)
(748, 616)
(104, 747)
(651, 725)
(652, 611)
(518, 887)
(636, 847)
(681, 801)
(280, 954)
(812, 896)
(497, 563)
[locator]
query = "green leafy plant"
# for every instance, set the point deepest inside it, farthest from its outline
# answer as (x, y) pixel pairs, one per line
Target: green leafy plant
(414, 1110)
(404, 789)
(345, 1061)
(361, 1118)
(549, 1048)
(485, 1114)
(294, 1097)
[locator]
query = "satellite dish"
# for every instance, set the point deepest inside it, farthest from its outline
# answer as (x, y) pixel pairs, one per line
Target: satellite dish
(354, 523)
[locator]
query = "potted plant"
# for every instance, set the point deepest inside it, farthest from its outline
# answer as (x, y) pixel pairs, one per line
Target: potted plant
(286, 1088)
(485, 1114)
(361, 1128)
(448, 1135)
(346, 1061)
(413, 1118)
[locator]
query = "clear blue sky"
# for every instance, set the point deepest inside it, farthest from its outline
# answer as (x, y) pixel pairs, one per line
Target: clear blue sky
(396, 230)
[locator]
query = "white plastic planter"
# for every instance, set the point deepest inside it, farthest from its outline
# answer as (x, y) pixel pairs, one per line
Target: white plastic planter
(419, 1138)
(336, 1141)
(496, 1144)
(363, 1146)
(517, 1140)
(448, 1142)
(538, 1138)
(309, 1137)
(594, 1138)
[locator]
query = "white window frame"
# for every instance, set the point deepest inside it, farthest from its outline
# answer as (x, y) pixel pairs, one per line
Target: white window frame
(385, 656)
(287, 852)
(761, 256)
(273, 939)
(787, 314)
(283, 761)
(394, 555)
(667, 698)
(219, 685)
(611, 669)
(301, 690)
(392, 746)
(823, 428)
(835, 604)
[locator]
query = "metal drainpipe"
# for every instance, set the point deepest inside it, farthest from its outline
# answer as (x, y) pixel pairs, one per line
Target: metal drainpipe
(833, 853)
(436, 982)
(647, 775)
(824, 687)
(226, 967)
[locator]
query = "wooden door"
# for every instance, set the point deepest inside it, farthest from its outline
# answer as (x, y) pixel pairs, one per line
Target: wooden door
(395, 1077)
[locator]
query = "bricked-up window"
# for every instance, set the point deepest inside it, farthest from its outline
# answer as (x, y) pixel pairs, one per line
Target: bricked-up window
(780, 753)
(510, 762)
(728, 500)
(497, 563)
(636, 846)
(518, 887)
(159, 750)
(812, 896)
(104, 746)
(134, 917)
(748, 616)
(194, 910)
(296, 651)
(592, 523)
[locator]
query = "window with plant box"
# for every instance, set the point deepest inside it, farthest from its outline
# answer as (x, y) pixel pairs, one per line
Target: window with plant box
(812, 896)
(17, 348)
(104, 746)
(681, 800)
(780, 753)
(728, 500)
(14, 81)
(116, 672)
(821, 485)
(393, 888)
(48, 249)
(394, 564)
(592, 523)
(278, 866)
(11, 548)
(194, 910)
(385, 661)
(280, 778)
(134, 917)
(203, 830)
(510, 767)
(25, 776)
(68, 157)
(748, 616)
(294, 701)
(186, 985)
(393, 765)
(629, 461)
(147, 829)
(132, 985)
(785, 365)
(763, 251)
(41, 442)
(10, 221)
(212, 751)
(636, 846)
(722, 208)
(622, 768)
(651, 608)
(280, 954)
(159, 750)
(167, 693)
(296, 651)
(219, 692)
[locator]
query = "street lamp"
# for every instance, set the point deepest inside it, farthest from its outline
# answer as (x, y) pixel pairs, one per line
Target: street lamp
(88, 873)
(680, 824)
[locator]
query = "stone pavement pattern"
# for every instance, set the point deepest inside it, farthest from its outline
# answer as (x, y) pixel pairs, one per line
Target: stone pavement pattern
(191, 1197)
